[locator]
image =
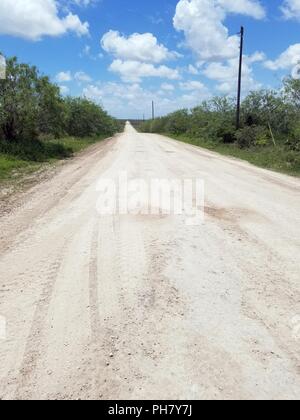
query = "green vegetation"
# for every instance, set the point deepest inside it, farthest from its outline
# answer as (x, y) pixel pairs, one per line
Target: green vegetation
(270, 131)
(27, 160)
(9, 165)
(38, 125)
(23, 160)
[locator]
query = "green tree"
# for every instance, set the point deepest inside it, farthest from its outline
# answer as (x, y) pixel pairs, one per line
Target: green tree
(85, 118)
(178, 122)
(268, 108)
(18, 102)
(292, 91)
(51, 108)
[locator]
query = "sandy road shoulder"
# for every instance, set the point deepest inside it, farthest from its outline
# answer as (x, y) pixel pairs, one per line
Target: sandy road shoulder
(18, 212)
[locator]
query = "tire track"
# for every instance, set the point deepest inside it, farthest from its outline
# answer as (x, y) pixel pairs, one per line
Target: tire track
(93, 285)
(33, 348)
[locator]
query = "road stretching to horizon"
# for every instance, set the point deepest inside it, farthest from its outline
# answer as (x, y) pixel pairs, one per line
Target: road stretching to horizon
(140, 306)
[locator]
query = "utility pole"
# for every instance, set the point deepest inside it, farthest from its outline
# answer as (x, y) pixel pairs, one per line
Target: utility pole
(238, 110)
(153, 111)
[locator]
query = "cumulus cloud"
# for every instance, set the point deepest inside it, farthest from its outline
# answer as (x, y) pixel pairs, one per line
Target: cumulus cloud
(2, 67)
(67, 76)
(202, 22)
(286, 60)
(33, 19)
(193, 85)
(64, 90)
(167, 87)
(257, 57)
(64, 76)
(252, 8)
(291, 9)
(192, 70)
(132, 100)
(138, 56)
(136, 47)
(124, 100)
(81, 76)
(226, 75)
(83, 2)
(134, 71)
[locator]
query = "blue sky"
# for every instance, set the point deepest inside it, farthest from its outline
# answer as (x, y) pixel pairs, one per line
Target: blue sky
(123, 54)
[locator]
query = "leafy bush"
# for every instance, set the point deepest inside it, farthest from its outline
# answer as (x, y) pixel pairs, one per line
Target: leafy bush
(292, 92)
(85, 118)
(246, 137)
(293, 160)
(178, 122)
(266, 116)
(221, 130)
(269, 108)
(214, 121)
(158, 125)
(35, 150)
(293, 143)
(250, 136)
(31, 108)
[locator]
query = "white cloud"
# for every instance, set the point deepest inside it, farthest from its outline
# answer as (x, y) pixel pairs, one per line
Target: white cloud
(86, 50)
(2, 67)
(202, 22)
(291, 9)
(257, 57)
(136, 47)
(67, 76)
(226, 75)
(81, 76)
(83, 2)
(87, 53)
(134, 71)
(286, 60)
(252, 8)
(64, 76)
(138, 56)
(33, 19)
(167, 87)
(132, 101)
(192, 70)
(192, 85)
(64, 90)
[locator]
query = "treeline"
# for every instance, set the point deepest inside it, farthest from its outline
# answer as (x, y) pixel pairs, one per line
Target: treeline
(32, 110)
(269, 119)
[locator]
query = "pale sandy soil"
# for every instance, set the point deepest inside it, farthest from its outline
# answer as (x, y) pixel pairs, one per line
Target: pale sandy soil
(142, 307)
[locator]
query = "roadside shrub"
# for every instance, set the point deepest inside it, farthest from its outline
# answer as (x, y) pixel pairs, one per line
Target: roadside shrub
(35, 150)
(158, 125)
(267, 115)
(293, 160)
(262, 137)
(213, 121)
(292, 92)
(268, 107)
(145, 127)
(223, 131)
(178, 122)
(57, 151)
(250, 136)
(293, 142)
(32, 109)
(87, 119)
(245, 137)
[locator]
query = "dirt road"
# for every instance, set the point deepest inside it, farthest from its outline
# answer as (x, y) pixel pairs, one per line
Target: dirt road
(140, 306)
